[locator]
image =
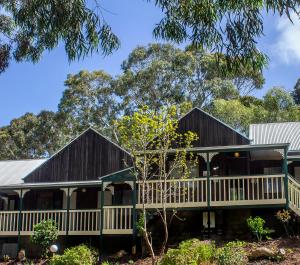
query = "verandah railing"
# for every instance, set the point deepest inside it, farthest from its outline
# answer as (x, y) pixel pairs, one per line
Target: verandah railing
(221, 191)
(116, 220)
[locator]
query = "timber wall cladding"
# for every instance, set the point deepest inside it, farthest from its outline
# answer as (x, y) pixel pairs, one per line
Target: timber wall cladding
(211, 132)
(86, 158)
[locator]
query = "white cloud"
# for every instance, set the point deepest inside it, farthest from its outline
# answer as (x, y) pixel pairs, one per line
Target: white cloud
(287, 46)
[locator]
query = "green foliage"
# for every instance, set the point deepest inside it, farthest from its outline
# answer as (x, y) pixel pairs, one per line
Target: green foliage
(296, 92)
(232, 27)
(27, 29)
(190, 252)
(79, 255)
(44, 234)
(231, 254)
(256, 226)
(162, 75)
(88, 100)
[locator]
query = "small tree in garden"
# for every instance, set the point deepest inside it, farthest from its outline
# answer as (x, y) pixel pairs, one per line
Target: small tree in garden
(256, 226)
(149, 136)
(284, 217)
(44, 234)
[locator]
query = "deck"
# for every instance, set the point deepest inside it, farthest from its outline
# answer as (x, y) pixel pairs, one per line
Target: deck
(216, 192)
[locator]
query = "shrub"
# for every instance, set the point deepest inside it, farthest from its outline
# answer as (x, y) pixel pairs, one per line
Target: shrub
(44, 234)
(284, 217)
(190, 252)
(230, 255)
(79, 255)
(256, 225)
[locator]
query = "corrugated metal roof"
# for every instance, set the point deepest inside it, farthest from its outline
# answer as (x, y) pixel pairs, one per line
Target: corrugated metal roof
(275, 133)
(13, 171)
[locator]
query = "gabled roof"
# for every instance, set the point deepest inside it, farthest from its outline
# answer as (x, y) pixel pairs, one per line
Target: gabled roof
(216, 119)
(13, 171)
(74, 159)
(210, 130)
(276, 133)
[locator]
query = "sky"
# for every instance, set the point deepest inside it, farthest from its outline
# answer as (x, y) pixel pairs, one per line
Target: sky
(27, 87)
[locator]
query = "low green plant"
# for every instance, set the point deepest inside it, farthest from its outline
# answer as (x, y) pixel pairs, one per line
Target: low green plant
(256, 226)
(79, 255)
(230, 255)
(190, 252)
(44, 234)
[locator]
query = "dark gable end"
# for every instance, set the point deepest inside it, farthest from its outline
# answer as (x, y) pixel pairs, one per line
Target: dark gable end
(211, 131)
(88, 157)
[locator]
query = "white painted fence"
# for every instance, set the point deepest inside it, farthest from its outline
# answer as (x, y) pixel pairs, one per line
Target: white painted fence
(224, 191)
(116, 220)
(175, 192)
(247, 190)
(294, 195)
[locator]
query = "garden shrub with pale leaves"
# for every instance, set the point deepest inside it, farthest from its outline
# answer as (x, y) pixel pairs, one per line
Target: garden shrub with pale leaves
(79, 255)
(190, 252)
(44, 234)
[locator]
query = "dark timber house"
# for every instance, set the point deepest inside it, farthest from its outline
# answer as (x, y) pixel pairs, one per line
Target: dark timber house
(87, 187)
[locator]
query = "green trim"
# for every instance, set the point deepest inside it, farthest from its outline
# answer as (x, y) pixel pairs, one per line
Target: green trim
(122, 175)
(134, 216)
(20, 218)
(101, 217)
(286, 181)
(228, 148)
(68, 212)
(208, 192)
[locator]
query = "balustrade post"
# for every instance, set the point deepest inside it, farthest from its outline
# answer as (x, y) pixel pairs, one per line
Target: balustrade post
(208, 191)
(101, 222)
(21, 194)
(20, 217)
(286, 181)
(68, 212)
(134, 216)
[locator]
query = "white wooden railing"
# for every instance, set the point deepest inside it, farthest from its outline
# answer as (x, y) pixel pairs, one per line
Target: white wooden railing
(9, 222)
(247, 190)
(294, 195)
(175, 192)
(224, 191)
(84, 222)
(117, 220)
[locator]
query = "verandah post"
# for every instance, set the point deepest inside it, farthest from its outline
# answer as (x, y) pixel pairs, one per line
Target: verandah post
(208, 191)
(20, 217)
(286, 181)
(101, 222)
(134, 218)
(68, 212)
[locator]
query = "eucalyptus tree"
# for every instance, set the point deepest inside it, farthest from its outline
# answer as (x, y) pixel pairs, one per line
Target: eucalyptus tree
(162, 75)
(232, 28)
(31, 136)
(89, 101)
(28, 28)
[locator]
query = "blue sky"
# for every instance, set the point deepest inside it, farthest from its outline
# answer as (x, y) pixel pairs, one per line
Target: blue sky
(27, 87)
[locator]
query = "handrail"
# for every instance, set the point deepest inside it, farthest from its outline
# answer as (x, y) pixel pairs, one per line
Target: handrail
(212, 177)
